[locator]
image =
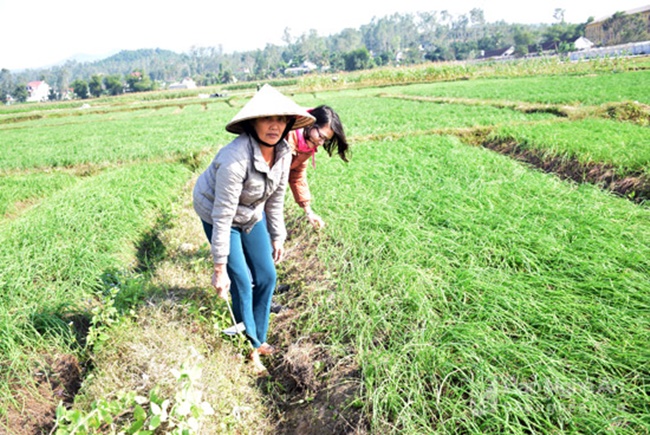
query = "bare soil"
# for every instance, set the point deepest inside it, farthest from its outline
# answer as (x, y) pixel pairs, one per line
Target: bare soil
(318, 392)
(56, 380)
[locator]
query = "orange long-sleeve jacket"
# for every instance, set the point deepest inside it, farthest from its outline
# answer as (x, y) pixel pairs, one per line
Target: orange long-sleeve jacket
(298, 172)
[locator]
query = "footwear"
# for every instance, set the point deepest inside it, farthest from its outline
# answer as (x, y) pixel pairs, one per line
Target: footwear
(266, 349)
(282, 288)
(258, 367)
(276, 308)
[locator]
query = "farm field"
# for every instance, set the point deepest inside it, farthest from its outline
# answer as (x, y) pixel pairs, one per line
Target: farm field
(457, 288)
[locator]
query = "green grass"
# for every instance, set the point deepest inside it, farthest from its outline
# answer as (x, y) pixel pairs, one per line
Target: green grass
(18, 191)
(478, 295)
(591, 89)
(622, 145)
(484, 297)
(115, 138)
(53, 257)
(454, 71)
(372, 115)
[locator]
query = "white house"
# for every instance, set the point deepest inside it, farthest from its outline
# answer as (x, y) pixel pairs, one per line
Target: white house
(38, 91)
(582, 43)
(186, 83)
(305, 68)
(499, 53)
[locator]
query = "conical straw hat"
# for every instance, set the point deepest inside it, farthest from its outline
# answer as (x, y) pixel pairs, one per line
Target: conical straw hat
(270, 102)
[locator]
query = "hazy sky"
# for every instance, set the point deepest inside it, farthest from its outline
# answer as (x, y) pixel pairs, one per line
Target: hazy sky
(39, 33)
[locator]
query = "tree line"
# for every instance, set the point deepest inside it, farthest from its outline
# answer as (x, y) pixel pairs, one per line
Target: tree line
(398, 39)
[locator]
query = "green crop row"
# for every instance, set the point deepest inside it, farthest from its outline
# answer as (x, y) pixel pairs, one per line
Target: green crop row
(483, 297)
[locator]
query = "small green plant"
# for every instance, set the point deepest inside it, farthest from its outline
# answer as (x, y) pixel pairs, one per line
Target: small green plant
(104, 315)
(121, 292)
(130, 414)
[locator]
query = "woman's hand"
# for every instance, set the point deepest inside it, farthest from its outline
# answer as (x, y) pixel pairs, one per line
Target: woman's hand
(221, 281)
(278, 251)
(316, 221)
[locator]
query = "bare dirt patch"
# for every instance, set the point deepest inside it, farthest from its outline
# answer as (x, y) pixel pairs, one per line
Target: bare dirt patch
(56, 380)
(311, 390)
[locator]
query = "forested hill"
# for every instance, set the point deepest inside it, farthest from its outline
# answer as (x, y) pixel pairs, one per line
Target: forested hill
(152, 61)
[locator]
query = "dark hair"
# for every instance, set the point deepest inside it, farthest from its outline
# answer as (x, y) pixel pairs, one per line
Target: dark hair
(326, 115)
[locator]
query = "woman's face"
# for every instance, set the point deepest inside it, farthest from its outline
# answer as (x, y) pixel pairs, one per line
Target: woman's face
(270, 128)
(317, 136)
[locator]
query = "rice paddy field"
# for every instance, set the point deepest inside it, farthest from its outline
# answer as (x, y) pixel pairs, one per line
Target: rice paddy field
(455, 289)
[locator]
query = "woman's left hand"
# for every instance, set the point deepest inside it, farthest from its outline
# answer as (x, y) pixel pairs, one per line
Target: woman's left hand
(278, 251)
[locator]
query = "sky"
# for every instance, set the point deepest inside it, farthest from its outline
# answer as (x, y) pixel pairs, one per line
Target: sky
(41, 33)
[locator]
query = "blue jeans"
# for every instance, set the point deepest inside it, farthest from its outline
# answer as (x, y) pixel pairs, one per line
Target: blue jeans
(252, 278)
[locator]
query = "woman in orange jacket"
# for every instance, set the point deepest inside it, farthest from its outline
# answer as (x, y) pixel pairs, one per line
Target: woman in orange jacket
(327, 132)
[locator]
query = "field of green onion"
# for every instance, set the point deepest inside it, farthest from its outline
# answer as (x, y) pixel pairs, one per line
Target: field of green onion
(479, 295)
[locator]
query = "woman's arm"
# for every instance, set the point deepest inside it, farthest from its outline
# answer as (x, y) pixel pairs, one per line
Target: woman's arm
(300, 189)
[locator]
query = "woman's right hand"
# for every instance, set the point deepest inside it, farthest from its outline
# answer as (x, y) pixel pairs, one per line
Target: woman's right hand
(316, 221)
(221, 281)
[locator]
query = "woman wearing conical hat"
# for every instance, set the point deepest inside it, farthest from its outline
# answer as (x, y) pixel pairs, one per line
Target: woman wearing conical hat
(240, 200)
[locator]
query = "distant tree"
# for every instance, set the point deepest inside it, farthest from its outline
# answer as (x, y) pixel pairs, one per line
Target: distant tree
(138, 81)
(464, 50)
(357, 59)
(429, 29)
(62, 80)
(477, 28)
(80, 88)
(460, 28)
(558, 14)
(490, 42)
(523, 39)
(113, 85)
(261, 68)
(20, 93)
(226, 76)
(336, 61)
(439, 54)
(390, 35)
(562, 35)
(53, 95)
(477, 16)
(383, 59)
(311, 47)
(95, 86)
(286, 36)
(6, 84)
(346, 41)
(413, 54)
(208, 79)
